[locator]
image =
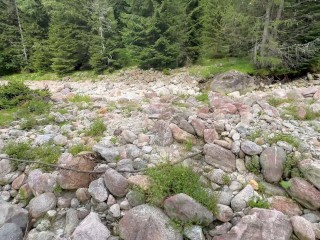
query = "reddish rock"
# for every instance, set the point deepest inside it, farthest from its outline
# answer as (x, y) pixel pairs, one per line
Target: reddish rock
(198, 126)
(163, 133)
(285, 205)
(220, 157)
(301, 113)
(141, 181)
(271, 161)
(19, 181)
(41, 182)
(181, 136)
(316, 96)
(268, 109)
(304, 193)
(210, 135)
(116, 183)
(302, 228)
(73, 180)
(223, 144)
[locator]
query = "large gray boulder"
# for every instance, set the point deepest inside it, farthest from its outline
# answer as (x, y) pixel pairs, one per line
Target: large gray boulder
(164, 136)
(147, 223)
(220, 157)
(98, 190)
(260, 224)
(272, 160)
(311, 171)
(302, 228)
(250, 148)
(186, 209)
(10, 231)
(116, 183)
(39, 205)
(239, 202)
(13, 214)
(91, 228)
(232, 81)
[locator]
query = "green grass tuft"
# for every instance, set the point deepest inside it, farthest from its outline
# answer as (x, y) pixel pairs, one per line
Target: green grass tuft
(79, 98)
(75, 149)
(275, 101)
(203, 97)
(285, 138)
(97, 128)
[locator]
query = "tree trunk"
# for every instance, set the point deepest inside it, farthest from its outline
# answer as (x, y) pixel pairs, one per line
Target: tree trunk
(21, 33)
(278, 17)
(265, 34)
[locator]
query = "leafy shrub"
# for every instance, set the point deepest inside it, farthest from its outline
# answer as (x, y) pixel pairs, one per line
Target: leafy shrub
(75, 149)
(285, 138)
(168, 180)
(97, 128)
(290, 168)
(258, 202)
(253, 165)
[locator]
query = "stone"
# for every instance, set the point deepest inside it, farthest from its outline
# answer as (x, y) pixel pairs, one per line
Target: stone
(198, 126)
(135, 198)
(224, 197)
(301, 112)
(304, 193)
(221, 229)
(232, 81)
(184, 208)
(116, 183)
(45, 235)
(210, 135)
(109, 154)
(180, 135)
(5, 168)
(10, 231)
(148, 223)
(194, 232)
(224, 213)
(71, 180)
(184, 125)
(125, 165)
(272, 160)
(128, 136)
(39, 205)
(285, 205)
(311, 171)
(114, 210)
(13, 214)
(217, 176)
(312, 217)
(141, 181)
(98, 190)
(163, 133)
(83, 194)
(316, 230)
(302, 228)
(262, 224)
(250, 148)
(41, 182)
(273, 190)
(239, 202)
(220, 157)
(60, 140)
(19, 181)
(91, 228)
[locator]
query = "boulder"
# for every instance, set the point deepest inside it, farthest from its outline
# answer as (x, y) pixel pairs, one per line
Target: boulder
(148, 223)
(71, 180)
(91, 228)
(304, 193)
(5, 168)
(250, 148)
(239, 202)
(40, 182)
(45, 235)
(194, 232)
(220, 157)
(224, 213)
(128, 136)
(210, 135)
(13, 214)
(116, 183)
(109, 154)
(39, 205)
(311, 171)
(186, 209)
(163, 133)
(232, 81)
(180, 135)
(10, 231)
(285, 205)
(260, 224)
(98, 190)
(198, 126)
(302, 228)
(272, 160)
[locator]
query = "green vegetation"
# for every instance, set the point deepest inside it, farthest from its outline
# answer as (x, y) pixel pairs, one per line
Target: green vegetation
(79, 98)
(275, 101)
(261, 188)
(255, 134)
(203, 97)
(47, 153)
(285, 138)
(57, 189)
(253, 165)
(114, 139)
(189, 145)
(226, 180)
(293, 111)
(75, 149)
(291, 167)
(285, 184)
(258, 202)
(167, 180)
(97, 128)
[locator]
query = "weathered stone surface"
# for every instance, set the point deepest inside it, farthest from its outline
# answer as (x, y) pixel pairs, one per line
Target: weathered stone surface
(5, 168)
(45, 235)
(83, 194)
(10, 231)
(163, 133)
(220, 157)
(210, 135)
(194, 233)
(13, 214)
(128, 136)
(40, 182)
(39, 205)
(198, 126)
(232, 81)
(19, 181)
(260, 224)
(147, 223)
(271, 161)
(72, 221)
(186, 209)
(221, 229)
(74, 180)
(186, 126)
(304, 193)
(285, 205)
(250, 148)
(141, 181)
(91, 228)
(311, 171)
(98, 190)
(239, 202)
(109, 154)
(224, 213)
(180, 135)
(302, 228)
(116, 183)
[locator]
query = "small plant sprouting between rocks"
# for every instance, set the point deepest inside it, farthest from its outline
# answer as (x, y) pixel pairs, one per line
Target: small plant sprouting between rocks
(275, 101)
(114, 139)
(203, 97)
(226, 180)
(290, 168)
(75, 149)
(253, 165)
(285, 184)
(189, 145)
(293, 112)
(57, 189)
(288, 138)
(47, 153)
(258, 202)
(168, 180)
(79, 98)
(97, 128)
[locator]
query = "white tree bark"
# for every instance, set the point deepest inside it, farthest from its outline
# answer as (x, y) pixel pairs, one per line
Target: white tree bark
(265, 34)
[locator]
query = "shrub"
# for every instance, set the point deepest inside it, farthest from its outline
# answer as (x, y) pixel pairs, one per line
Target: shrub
(97, 128)
(253, 165)
(285, 138)
(75, 149)
(168, 180)
(290, 168)
(258, 202)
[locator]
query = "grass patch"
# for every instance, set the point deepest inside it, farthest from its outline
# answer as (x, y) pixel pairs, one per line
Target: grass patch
(168, 180)
(258, 202)
(203, 97)
(47, 153)
(210, 67)
(114, 139)
(293, 112)
(189, 145)
(226, 180)
(79, 98)
(97, 128)
(275, 101)
(254, 135)
(290, 167)
(75, 149)
(253, 165)
(288, 138)
(7, 116)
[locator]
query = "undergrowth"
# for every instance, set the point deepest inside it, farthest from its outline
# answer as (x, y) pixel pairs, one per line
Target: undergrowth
(78, 148)
(96, 129)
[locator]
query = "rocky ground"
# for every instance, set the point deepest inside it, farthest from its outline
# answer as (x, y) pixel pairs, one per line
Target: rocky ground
(258, 152)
